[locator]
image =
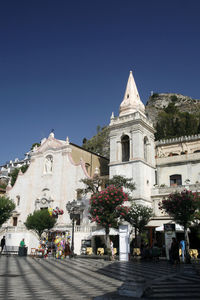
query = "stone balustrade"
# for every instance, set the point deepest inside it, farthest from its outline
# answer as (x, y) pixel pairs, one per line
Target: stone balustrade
(171, 189)
(77, 228)
(178, 140)
(177, 158)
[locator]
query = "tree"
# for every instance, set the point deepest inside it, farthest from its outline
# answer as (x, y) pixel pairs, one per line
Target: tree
(6, 208)
(15, 173)
(120, 181)
(182, 207)
(99, 143)
(174, 123)
(138, 216)
(39, 221)
(107, 209)
(93, 185)
(35, 144)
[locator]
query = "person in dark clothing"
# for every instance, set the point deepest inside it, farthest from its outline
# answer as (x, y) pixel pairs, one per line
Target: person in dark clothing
(174, 251)
(3, 242)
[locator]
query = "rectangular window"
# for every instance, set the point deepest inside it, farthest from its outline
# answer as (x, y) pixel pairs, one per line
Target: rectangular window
(14, 221)
(156, 177)
(175, 180)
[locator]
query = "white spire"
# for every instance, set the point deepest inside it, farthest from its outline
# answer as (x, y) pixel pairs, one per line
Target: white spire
(131, 102)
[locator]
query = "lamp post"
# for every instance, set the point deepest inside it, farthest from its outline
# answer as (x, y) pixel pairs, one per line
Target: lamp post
(74, 208)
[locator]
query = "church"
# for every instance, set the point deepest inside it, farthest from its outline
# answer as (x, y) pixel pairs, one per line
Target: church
(157, 168)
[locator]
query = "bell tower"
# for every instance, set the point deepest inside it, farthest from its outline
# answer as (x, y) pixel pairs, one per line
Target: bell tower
(132, 151)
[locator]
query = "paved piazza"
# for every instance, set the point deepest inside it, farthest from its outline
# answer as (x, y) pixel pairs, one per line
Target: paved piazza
(31, 278)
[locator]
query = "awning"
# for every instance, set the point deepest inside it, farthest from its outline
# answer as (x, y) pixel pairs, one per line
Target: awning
(101, 231)
(178, 228)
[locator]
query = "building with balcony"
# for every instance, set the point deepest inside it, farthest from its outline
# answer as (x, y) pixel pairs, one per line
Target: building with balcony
(157, 168)
(56, 168)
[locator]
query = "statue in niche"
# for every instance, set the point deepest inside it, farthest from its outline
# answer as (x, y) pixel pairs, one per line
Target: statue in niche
(48, 164)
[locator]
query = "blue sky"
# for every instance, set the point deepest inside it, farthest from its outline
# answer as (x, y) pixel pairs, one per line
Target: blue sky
(65, 64)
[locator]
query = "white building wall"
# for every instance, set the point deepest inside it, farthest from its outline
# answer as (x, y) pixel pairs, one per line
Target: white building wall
(57, 187)
(188, 170)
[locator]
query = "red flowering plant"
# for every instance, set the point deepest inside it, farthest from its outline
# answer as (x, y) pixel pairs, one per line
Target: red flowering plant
(107, 209)
(182, 207)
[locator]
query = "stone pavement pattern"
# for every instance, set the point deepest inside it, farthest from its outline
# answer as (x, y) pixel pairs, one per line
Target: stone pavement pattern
(28, 278)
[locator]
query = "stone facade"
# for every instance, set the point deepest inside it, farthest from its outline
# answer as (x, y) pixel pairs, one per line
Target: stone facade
(157, 168)
(56, 167)
(132, 150)
(53, 176)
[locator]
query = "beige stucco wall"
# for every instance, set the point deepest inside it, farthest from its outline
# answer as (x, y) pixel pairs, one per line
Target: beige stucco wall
(91, 160)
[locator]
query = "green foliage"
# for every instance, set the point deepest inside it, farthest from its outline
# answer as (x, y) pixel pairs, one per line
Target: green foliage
(6, 208)
(39, 221)
(106, 207)
(155, 95)
(173, 123)
(3, 185)
(24, 168)
(35, 144)
(120, 181)
(84, 141)
(182, 206)
(171, 109)
(174, 98)
(94, 184)
(15, 173)
(99, 143)
(139, 215)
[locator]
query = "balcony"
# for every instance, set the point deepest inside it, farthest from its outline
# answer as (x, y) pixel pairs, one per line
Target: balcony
(164, 190)
(178, 159)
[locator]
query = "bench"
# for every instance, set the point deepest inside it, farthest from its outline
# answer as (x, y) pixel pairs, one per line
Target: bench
(10, 250)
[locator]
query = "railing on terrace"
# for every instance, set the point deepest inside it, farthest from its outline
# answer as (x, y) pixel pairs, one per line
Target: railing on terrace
(172, 189)
(77, 228)
(177, 158)
(80, 228)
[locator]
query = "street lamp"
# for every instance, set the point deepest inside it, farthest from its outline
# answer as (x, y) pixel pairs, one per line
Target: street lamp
(74, 208)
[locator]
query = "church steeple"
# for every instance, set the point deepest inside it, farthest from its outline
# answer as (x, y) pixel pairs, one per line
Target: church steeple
(131, 102)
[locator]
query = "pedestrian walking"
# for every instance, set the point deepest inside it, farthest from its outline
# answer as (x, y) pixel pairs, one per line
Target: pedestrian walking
(174, 251)
(3, 242)
(22, 243)
(112, 251)
(183, 246)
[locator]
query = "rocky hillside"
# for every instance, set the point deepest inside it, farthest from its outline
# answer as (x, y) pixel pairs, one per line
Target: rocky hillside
(157, 102)
(173, 123)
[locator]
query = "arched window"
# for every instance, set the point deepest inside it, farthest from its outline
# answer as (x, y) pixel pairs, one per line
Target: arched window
(175, 180)
(18, 200)
(125, 148)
